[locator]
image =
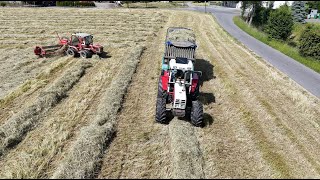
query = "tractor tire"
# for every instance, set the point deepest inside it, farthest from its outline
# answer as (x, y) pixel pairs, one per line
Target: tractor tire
(161, 114)
(71, 52)
(85, 54)
(161, 92)
(197, 114)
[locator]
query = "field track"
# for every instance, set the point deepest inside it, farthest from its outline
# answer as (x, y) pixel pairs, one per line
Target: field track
(258, 122)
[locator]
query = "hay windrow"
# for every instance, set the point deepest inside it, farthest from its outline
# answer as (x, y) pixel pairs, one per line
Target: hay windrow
(181, 35)
(13, 130)
(185, 150)
(84, 156)
(35, 83)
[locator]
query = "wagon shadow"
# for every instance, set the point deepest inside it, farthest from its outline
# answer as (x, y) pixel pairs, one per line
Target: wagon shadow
(207, 74)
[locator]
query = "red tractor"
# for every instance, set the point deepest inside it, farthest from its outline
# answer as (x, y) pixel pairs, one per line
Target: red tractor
(178, 86)
(79, 44)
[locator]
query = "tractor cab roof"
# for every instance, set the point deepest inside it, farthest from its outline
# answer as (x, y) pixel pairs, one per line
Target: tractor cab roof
(82, 35)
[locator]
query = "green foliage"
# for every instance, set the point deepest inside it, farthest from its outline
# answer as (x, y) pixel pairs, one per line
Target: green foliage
(244, 7)
(310, 41)
(297, 31)
(313, 5)
(3, 4)
(280, 23)
(298, 11)
(75, 3)
(279, 45)
(261, 17)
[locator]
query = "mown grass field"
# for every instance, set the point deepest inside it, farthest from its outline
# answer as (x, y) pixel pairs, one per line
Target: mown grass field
(64, 117)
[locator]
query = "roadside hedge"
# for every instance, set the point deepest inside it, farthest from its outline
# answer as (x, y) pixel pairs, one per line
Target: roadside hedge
(76, 3)
(310, 41)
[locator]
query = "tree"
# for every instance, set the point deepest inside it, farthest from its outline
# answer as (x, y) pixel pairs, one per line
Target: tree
(312, 5)
(244, 7)
(298, 11)
(252, 13)
(280, 23)
(261, 17)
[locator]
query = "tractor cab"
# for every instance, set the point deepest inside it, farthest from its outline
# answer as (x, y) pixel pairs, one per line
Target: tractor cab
(83, 38)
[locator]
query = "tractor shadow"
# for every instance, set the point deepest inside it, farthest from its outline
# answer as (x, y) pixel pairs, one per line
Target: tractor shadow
(104, 55)
(207, 74)
(207, 70)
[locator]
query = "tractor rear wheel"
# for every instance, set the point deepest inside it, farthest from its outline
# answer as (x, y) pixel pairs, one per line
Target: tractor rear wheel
(85, 54)
(197, 114)
(161, 114)
(71, 52)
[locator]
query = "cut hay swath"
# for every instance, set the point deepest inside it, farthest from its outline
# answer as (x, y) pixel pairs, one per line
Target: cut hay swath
(13, 130)
(181, 35)
(85, 154)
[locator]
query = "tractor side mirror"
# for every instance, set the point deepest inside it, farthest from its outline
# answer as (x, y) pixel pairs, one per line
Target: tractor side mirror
(199, 73)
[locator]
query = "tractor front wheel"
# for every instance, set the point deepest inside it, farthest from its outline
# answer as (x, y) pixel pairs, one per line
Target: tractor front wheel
(161, 111)
(71, 52)
(197, 113)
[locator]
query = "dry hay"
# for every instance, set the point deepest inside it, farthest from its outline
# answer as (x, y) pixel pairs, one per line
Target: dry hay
(181, 35)
(13, 130)
(186, 155)
(23, 28)
(113, 29)
(84, 156)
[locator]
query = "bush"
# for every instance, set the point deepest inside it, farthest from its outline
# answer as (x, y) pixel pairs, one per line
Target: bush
(3, 4)
(297, 31)
(280, 23)
(309, 43)
(75, 3)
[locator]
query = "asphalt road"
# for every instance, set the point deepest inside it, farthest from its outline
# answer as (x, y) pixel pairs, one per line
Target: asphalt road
(301, 74)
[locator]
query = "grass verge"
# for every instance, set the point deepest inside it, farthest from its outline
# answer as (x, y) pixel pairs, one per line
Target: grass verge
(280, 46)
